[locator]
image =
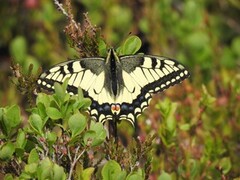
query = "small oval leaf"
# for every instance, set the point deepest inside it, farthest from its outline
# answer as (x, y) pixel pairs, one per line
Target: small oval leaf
(87, 173)
(7, 151)
(51, 137)
(54, 113)
(21, 139)
(88, 137)
(13, 116)
(36, 123)
(58, 172)
(45, 169)
(131, 45)
(18, 49)
(110, 170)
(77, 123)
(33, 156)
(164, 176)
(100, 133)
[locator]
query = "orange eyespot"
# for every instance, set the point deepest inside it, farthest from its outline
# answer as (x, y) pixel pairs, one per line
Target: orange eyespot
(115, 108)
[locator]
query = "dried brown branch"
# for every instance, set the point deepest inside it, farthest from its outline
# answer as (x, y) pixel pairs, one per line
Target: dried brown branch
(26, 83)
(84, 37)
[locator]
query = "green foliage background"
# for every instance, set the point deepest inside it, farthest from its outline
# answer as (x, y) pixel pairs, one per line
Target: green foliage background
(198, 134)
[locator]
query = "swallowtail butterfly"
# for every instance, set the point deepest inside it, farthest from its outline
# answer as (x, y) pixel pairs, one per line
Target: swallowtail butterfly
(120, 87)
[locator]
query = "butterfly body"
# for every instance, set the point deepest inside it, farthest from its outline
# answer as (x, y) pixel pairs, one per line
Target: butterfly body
(120, 87)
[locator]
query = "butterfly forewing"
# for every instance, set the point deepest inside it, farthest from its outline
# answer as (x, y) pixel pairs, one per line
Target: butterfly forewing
(154, 73)
(78, 71)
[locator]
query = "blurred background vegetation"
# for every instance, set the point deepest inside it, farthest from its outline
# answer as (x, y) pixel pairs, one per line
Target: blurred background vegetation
(198, 134)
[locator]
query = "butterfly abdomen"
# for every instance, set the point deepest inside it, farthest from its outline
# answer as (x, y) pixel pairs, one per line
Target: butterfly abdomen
(113, 76)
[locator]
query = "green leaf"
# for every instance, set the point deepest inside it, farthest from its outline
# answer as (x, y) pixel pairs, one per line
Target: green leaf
(170, 119)
(87, 173)
(110, 170)
(4, 130)
(227, 59)
(130, 46)
(44, 99)
(80, 94)
(168, 128)
(138, 175)
(100, 133)
(235, 46)
(2, 111)
(58, 172)
(81, 102)
(85, 103)
(21, 139)
(164, 176)
(7, 151)
(41, 110)
(96, 135)
(102, 48)
(51, 137)
(225, 164)
(54, 113)
(19, 152)
(77, 123)
(18, 49)
(10, 118)
(144, 25)
(65, 84)
(30, 145)
(134, 176)
(194, 168)
(44, 170)
(197, 40)
(26, 175)
(206, 99)
(8, 177)
(83, 174)
(31, 60)
(88, 137)
(60, 91)
(13, 116)
(33, 156)
(185, 127)
(36, 123)
(58, 131)
(31, 168)
(122, 175)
